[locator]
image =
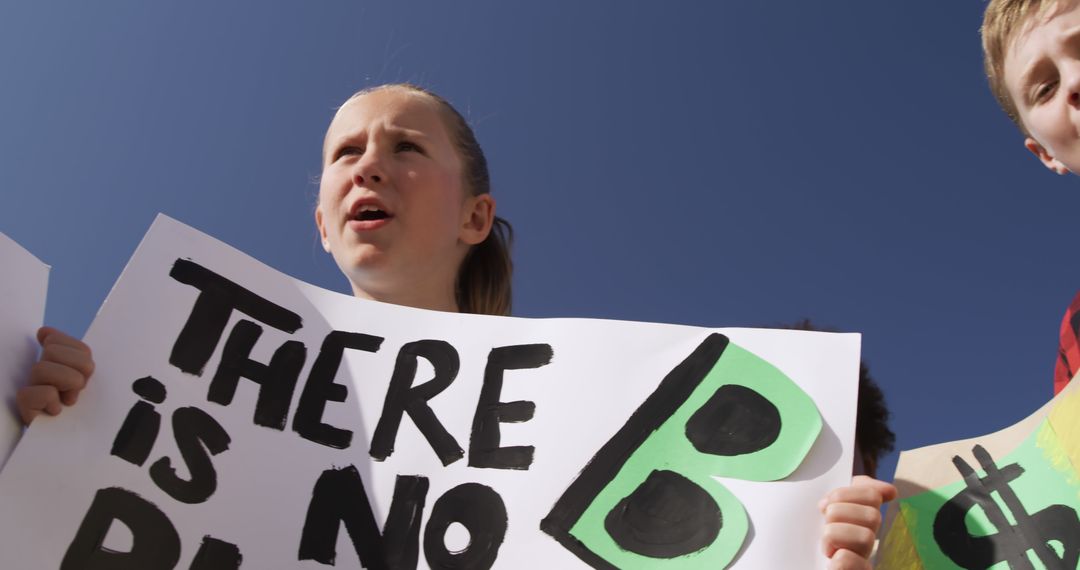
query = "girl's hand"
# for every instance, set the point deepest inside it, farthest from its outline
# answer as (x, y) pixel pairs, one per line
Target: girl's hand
(56, 379)
(852, 518)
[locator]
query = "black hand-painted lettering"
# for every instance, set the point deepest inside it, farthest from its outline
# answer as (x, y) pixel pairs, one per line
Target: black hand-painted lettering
(218, 298)
(736, 420)
(193, 429)
(667, 516)
(482, 512)
(484, 450)
(155, 545)
(668, 397)
(139, 431)
(403, 397)
(339, 497)
(216, 554)
(276, 381)
(150, 389)
(320, 389)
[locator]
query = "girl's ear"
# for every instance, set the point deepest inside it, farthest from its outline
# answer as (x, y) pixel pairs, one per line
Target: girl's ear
(322, 229)
(1044, 156)
(477, 215)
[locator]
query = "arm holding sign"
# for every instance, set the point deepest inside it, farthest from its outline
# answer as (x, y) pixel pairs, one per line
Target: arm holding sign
(57, 378)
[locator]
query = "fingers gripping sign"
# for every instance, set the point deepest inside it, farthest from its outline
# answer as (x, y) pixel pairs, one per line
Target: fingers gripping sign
(65, 365)
(852, 516)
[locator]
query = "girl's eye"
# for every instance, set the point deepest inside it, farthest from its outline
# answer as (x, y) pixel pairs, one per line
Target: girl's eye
(348, 150)
(406, 146)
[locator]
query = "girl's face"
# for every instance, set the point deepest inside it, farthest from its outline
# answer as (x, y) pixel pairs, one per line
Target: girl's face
(392, 208)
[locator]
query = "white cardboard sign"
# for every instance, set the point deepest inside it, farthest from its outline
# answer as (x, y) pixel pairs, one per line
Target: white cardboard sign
(240, 418)
(22, 308)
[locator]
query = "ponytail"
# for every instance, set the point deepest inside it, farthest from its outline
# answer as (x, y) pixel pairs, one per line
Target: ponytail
(483, 285)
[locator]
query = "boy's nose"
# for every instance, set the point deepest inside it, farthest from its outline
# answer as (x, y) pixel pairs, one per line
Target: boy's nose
(1070, 81)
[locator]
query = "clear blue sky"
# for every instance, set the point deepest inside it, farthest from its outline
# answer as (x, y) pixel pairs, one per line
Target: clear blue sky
(718, 164)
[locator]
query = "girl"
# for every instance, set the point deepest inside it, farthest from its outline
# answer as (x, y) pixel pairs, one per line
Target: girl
(405, 208)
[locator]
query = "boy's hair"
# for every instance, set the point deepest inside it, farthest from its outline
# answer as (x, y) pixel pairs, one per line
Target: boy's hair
(1002, 20)
(872, 433)
(484, 278)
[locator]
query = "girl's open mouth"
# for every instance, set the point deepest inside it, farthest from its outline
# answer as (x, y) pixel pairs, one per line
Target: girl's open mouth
(369, 215)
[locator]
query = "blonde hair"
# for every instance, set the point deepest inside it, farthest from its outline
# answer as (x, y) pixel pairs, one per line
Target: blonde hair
(483, 284)
(1002, 21)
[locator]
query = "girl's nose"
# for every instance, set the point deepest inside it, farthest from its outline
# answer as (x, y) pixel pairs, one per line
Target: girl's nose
(368, 170)
(359, 179)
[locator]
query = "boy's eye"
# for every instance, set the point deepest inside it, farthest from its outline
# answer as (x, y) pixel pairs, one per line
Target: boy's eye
(1042, 92)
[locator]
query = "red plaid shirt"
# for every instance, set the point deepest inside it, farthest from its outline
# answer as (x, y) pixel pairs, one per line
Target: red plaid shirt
(1068, 360)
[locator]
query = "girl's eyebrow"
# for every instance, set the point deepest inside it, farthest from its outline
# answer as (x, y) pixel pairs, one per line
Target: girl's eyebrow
(406, 132)
(398, 132)
(391, 130)
(343, 137)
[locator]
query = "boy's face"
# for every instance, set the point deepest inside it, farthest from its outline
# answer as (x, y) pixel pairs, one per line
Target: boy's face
(1042, 75)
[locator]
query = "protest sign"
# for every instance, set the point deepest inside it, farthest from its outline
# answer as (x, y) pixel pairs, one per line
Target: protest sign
(240, 417)
(22, 308)
(1006, 500)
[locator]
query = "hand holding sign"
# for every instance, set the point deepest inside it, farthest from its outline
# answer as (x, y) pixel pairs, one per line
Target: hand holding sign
(852, 516)
(57, 378)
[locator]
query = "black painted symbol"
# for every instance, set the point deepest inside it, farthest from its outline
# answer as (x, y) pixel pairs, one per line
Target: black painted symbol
(735, 421)
(667, 516)
(1013, 540)
(647, 501)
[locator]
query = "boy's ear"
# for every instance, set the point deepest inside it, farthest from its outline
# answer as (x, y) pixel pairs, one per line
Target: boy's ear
(1044, 156)
(322, 229)
(478, 214)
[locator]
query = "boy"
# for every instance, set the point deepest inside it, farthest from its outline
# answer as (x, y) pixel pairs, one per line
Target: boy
(1031, 52)
(1034, 72)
